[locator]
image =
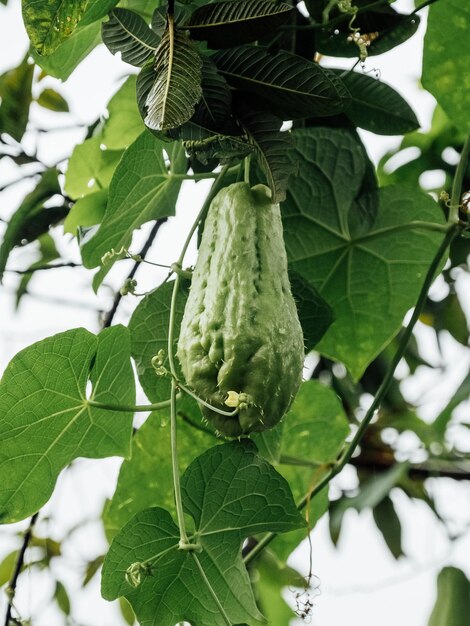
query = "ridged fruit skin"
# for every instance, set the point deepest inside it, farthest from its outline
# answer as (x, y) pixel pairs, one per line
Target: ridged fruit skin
(240, 329)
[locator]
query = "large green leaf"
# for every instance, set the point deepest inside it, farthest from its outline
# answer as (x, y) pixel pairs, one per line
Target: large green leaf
(124, 123)
(446, 59)
(87, 211)
(149, 334)
(90, 167)
(377, 107)
(287, 84)
(271, 148)
(315, 315)
(24, 217)
(227, 24)
(126, 32)
(141, 190)
(45, 420)
(452, 606)
(15, 99)
(230, 493)
(62, 62)
(314, 432)
(362, 254)
(177, 83)
(96, 10)
(50, 22)
(150, 456)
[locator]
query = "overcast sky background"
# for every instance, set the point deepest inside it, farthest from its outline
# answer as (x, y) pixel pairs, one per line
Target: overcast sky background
(360, 582)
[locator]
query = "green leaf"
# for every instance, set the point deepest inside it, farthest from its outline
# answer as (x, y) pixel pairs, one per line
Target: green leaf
(15, 99)
(388, 523)
(452, 606)
(124, 123)
(315, 427)
(87, 211)
(360, 252)
(441, 422)
(45, 421)
(177, 84)
(287, 84)
(446, 58)
(62, 62)
(148, 327)
(315, 315)
(314, 432)
(96, 10)
(271, 148)
(214, 110)
(48, 252)
(62, 598)
(254, 498)
(227, 24)
(126, 32)
(90, 168)
(141, 190)
(274, 576)
(150, 448)
(52, 100)
(373, 491)
(50, 22)
(19, 225)
(387, 27)
(7, 566)
(91, 569)
(375, 106)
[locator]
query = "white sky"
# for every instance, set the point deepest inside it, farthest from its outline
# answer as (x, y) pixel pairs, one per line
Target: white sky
(360, 582)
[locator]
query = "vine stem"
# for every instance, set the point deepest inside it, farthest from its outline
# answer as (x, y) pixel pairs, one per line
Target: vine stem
(346, 455)
(456, 194)
(11, 589)
(125, 408)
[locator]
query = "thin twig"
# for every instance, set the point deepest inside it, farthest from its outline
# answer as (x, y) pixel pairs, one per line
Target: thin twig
(48, 266)
(108, 318)
(11, 589)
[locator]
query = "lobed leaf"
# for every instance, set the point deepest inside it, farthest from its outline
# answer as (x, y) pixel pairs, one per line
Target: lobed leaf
(356, 247)
(45, 421)
(182, 586)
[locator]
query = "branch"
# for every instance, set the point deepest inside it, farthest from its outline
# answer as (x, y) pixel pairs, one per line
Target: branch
(11, 589)
(48, 266)
(108, 318)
